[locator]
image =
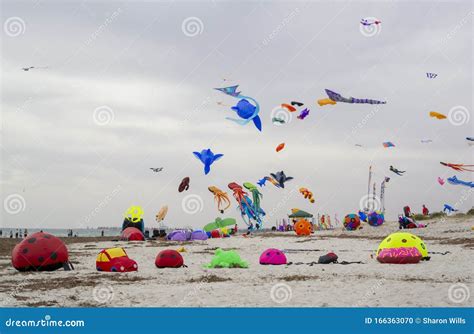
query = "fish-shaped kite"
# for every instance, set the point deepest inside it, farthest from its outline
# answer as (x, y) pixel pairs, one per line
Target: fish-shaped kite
(280, 147)
(455, 181)
(339, 98)
(281, 178)
(437, 115)
(207, 158)
(388, 144)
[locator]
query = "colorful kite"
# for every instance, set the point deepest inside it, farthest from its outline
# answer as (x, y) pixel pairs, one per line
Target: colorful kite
(303, 114)
(449, 208)
(280, 147)
(184, 185)
(437, 115)
(221, 198)
(458, 167)
(288, 107)
(161, 214)
(247, 210)
(296, 103)
(307, 194)
(455, 181)
(244, 109)
(431, 75)
(441, 181)
(323, 102)
(388, 144)
(281, 178)
(339, 98)
(207, 158)
(366, 22)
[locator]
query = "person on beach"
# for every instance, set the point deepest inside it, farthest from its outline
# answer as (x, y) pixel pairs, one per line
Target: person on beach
(102, 233)
(426, 212)
(16, 234)
(11, 234)
(25, 234)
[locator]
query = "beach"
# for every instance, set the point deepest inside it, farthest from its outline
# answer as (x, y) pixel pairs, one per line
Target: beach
(428, 283)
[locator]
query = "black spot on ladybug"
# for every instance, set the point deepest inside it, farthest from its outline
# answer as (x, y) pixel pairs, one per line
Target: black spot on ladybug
(413, 237)
(31, 240)
(41, 259)
(423, 245)
(404, 240)
(47, 236)
(53, 256)
(388, 240)
(25, 250)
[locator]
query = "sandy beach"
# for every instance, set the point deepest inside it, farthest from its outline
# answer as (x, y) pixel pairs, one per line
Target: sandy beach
(368, 284)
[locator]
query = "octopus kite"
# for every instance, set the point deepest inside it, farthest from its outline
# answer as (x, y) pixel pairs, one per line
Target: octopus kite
(221, 198)
(256, 195)
(246, 206)
(307, 194)
(458, 167)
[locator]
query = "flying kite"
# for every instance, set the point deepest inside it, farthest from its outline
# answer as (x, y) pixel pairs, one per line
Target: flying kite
(437, 115)
(441, 181)
(161, 214)
(456, 182)
(431, 75)
(278, 120)
(470, 140)
(280, 147)
(221, 198)
(303, 114)
(156, 170)
(26, 69)
(426, 141)
(307, 194)
(323, 102)
(296, 103)
(184, 185)
(388, 144)
(449, 208)
(358, 145)
(262, 181)
(397, 171)
(339, 98)
(207, 158)
(247, 209)
(366, 22)
(281, 178)
(288, 107)
(458, 167)
(256, 195)
(244, 109)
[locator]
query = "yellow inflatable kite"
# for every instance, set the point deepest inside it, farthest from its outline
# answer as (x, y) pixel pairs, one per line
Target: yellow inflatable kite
(323, 102)
(403, 239)
(437, 115)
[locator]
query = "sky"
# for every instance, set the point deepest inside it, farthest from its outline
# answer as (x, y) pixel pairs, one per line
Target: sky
(120, 87)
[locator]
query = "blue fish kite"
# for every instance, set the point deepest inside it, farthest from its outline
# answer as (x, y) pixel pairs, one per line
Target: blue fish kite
(244, 109)
(232, 90)
(455, 181)
(207, 158)
(248, 112)
(448, 208)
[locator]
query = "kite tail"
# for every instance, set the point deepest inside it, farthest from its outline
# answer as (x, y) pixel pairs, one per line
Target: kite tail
(367, 101)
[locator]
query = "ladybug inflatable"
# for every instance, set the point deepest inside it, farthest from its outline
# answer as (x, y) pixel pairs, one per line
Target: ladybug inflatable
(40, 252)
(169, 258)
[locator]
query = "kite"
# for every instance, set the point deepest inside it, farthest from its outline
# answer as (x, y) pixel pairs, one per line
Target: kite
(303, 114)
(426, 141)
(256, 195)
(449, 208)
(440, 181)
(366, 22)
(296, 103)
(232, 90)
(184, 185)
(262, 181)
(278, 120)
(207, 158)
(470, 140)
(289, 107)
(244, 109)
(246, 206)
(134, 214)
(26, 69)
(396, 171)
(220, 197)
(307, 194)
(388, 144)
(156, 170)
(280, 147)
(161, 214)
(358, 145)
(458, 167)
(323, 102)
(339, 98)
(431, 75)
(437, 115)
(281, 178)
(455, 181)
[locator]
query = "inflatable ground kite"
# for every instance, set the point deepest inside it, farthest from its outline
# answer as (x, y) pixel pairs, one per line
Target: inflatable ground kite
(40, 252)
(115, 260)
(273, 256)
(401, 248)
(352, 222)
(303, 227)
(227, 259)
(169, 258)
(132, 234)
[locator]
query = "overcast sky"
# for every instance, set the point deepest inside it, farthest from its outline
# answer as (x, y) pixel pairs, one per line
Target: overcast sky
(128, 86)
